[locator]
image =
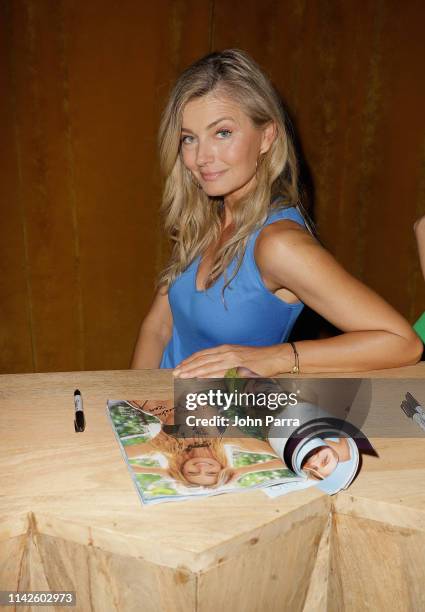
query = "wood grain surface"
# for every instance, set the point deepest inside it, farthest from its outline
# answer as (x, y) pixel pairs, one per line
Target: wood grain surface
(70, 516)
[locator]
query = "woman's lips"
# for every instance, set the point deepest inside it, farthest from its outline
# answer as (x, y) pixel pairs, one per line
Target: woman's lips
(211, 176)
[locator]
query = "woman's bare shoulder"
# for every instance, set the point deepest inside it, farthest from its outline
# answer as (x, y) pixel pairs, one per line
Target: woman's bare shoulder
(283, 232)
(284, 246)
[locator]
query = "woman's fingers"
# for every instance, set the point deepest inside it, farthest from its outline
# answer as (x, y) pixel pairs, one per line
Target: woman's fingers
(205, 368)
(215, 362)
(217, 350)
(196, 363)
(219, 353)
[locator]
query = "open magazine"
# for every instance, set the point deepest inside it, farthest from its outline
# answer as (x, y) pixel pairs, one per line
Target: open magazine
(169, 467)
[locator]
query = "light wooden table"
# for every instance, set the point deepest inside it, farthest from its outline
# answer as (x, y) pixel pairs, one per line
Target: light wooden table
(70, 518)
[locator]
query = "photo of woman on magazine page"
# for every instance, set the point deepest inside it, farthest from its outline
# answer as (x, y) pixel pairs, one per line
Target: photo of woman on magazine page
(169, 457)
(245, 258)
(203, 462)
(198, 460)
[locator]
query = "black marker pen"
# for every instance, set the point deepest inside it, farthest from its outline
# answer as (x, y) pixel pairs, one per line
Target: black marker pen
(79, 421)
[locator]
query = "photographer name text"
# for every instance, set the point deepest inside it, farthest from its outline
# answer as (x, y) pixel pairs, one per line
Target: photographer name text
(246, 421)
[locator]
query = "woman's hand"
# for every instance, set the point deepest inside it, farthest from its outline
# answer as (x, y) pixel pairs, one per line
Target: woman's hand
(214, 362)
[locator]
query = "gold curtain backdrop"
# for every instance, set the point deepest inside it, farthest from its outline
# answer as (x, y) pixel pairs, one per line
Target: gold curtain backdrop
(82, 87)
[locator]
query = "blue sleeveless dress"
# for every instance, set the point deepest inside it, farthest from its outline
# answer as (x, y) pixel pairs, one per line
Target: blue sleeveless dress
(252, 315)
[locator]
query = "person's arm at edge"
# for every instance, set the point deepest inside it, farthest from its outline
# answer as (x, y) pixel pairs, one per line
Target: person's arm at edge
(155, 332)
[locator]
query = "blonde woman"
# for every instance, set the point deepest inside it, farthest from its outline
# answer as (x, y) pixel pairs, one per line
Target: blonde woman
(198, 461)
(244, 262)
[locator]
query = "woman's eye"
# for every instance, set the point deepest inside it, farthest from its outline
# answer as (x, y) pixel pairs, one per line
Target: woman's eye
(183, 139)
(224, 131)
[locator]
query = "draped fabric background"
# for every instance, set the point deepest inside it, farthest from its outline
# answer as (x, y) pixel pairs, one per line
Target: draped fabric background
(82, 85)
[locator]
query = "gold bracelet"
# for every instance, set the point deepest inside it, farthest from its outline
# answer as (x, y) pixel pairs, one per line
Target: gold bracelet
(296, 367)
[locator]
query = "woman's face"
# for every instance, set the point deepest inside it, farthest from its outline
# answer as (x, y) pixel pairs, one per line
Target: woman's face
(323, 462)
(220, 145)
(201, 470)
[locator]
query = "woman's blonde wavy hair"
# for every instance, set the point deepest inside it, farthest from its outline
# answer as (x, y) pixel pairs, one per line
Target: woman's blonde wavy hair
(192, 218)
(178, 452)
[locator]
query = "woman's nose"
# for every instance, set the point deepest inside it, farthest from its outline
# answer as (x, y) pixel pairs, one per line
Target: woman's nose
(204, 153)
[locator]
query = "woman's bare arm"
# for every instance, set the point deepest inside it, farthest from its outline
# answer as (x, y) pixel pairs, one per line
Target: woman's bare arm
(375, 335)
(154, 334)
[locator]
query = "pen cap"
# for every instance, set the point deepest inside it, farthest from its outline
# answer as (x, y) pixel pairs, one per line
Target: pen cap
(407, 409)
(79, 421)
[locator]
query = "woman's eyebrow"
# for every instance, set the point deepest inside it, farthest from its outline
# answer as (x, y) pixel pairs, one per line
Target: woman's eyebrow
(210, 125)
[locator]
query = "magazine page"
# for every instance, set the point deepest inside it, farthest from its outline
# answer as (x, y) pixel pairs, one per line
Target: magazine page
(305, 422)
(166, 467)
